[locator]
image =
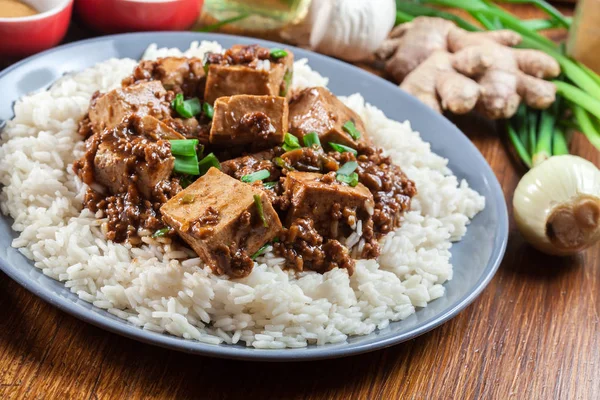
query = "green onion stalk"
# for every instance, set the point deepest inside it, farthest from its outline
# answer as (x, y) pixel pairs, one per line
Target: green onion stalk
(535, 135)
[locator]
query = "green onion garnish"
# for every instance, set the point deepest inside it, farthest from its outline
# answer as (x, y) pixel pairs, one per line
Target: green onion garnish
(207, 162)
(256, 176)
(350, 128)
(278, 53)
(260, 251)
(184, 147)
(281, 163)
(290, 142)
(186, 108)
(340, 148)
(259, 209)
(347, 168)
(161, 232)
(287, 82)
(270, 185)
(186, 165)
(187, 198)
(311, 139)
(351, 179)
(200, 152)
(209, 111)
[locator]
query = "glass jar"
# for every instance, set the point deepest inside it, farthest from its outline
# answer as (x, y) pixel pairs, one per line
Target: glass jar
(584, 36)
(258, 15)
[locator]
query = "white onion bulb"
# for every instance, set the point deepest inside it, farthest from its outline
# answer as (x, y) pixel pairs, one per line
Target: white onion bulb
(557, 205)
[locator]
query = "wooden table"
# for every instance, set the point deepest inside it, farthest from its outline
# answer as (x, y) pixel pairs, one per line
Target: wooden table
(533, 334)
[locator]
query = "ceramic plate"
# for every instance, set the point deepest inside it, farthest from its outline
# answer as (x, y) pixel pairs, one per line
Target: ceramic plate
(476, 257)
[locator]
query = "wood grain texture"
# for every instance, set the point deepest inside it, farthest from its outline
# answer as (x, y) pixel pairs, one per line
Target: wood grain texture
(533, 334)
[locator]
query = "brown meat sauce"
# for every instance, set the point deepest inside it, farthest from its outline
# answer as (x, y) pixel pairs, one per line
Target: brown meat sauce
(318, 213)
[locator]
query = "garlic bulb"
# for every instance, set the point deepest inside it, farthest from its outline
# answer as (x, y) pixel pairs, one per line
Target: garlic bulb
(557, 205)
(348, 29)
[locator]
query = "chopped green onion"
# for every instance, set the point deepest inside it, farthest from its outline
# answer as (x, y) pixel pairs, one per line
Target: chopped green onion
(187, 198)
(186, 108)
(200, 152)
(256, 176)
(290, 142)
(205, 68)
(287, 82)
(270, 185)
(281, 163)
(311, 139)
(186, 165)
(161, 232)
(351, 179)
(278, 53)
(209, 111)
(350, 128)
(260, 251)
(340, 148)
(183, 147)
(207, 162)
(259, 209)
(347, 168)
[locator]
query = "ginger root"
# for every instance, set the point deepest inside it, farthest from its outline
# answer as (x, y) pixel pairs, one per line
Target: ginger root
(451, 69)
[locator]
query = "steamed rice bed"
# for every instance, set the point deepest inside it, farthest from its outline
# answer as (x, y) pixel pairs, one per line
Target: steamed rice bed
(165, 288)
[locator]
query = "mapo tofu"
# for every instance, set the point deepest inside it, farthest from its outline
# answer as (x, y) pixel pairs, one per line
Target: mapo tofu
(224, 220)
(260, 121)
(214, 156)
(318, 110)
(248, 70)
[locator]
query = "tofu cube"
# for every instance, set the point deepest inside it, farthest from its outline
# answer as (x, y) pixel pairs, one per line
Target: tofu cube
(318, 110)
(260, 121)
(218, 210)
(115, 170)
(145, 98)
(314, 197)
(229, 80)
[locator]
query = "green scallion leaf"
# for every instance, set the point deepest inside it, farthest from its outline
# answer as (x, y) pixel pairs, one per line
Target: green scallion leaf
(290, 142)
(186, 165)
(270, 185)
(209, 111)
(256, 176)
(311, 139)
(161, 232)
(287, 82)
(186, 108)
(351, 179)
(347, 168)
(278, 53)
(281, 163)
(183, 147)
(259, 209)
(260, 251)
(340, 148)
(350, 128)
(207, 162)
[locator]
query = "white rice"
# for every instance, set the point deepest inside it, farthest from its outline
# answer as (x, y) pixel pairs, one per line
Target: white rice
(163, 288)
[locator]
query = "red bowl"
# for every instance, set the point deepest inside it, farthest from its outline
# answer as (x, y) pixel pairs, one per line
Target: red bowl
(24, 36)
(112, 16)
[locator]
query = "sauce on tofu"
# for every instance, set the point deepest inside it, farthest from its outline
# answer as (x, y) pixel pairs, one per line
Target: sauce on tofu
(220, 155)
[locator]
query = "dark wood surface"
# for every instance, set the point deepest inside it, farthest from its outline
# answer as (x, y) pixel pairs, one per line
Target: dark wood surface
(533, 334)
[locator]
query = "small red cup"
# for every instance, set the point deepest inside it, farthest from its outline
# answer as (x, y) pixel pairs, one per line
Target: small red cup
(23, 36)
(114, 16)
